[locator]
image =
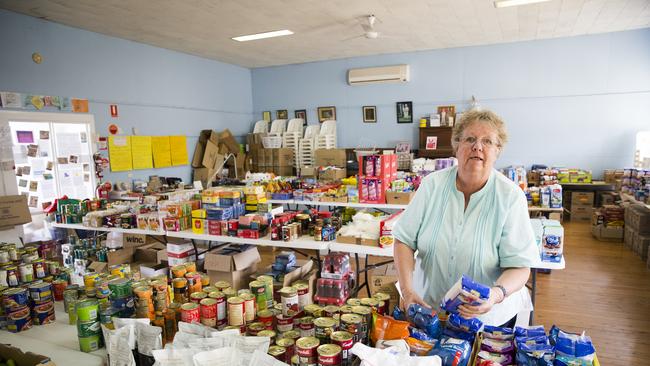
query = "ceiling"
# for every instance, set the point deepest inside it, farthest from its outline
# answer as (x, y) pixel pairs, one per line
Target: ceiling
(323, 28)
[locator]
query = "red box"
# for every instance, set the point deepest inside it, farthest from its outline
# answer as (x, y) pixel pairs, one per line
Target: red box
(248, 233)
(364, 192)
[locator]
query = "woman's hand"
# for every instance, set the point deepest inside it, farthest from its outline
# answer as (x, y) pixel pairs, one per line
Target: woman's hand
(468, 311)
(410, 297)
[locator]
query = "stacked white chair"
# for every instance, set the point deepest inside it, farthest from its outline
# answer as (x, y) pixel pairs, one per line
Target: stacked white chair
(261, 127)
(307, 145)
(292, 136)
(326, 138)
(274, 139)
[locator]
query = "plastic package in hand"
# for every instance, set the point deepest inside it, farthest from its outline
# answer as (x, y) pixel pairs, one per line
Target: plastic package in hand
(454, 352)
(398, 314)
(424, 318)
(465, 291)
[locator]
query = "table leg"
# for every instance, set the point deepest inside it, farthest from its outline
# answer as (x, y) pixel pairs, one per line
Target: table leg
(532, 295)
(365, 275)
(358, 272)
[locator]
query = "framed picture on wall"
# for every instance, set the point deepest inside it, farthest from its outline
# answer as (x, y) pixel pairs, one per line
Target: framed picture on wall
(369, 114)
(301, 113)
(404, 112)
(326, 113)
(282, 114)
(266, 115)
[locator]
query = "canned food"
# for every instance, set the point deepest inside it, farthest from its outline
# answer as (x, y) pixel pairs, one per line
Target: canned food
(267, 333)
(26, 272)
(366, 314)
(254, 328)
(40, 269)
(249, 306)
(89, 279)
(258, 289)
(193, 282)
(209, 322)
(190, 313)
(87, 329)
(284, 323)
(208, 289)
(346, 309)
(40, 291)
(18, 319)
(295, 360)
(277, 352)
(120, 287)
(16, 296)
(12, 276)
(306, 350)
(369, 301)
(268, 285)
(125, 305)
(87, 310)
(58, 288)
(196, 297)
(289, 297)
(382, 296)
(266, 317)
(329, 355)
(351, 323)
(236, 311)
(324, 326)
(89, 344)
(330, 310)
(229, 292)
(43, 313)
(205, 280)
(190, 266)
(313, 310)
(304, 297)
(208, 308)
(179, 271)
(222, 285)
(353, 302)
(345, 340)
(306, 326)
(289, 345)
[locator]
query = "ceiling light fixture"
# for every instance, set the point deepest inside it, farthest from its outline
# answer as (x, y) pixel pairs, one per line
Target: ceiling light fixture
(252, 37)
(507, 3)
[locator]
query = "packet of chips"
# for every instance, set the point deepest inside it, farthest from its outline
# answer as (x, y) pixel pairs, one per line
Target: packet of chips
(387, 328)
(424, 318)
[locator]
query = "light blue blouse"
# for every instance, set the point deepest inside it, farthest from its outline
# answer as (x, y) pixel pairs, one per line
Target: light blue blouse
(493, 233)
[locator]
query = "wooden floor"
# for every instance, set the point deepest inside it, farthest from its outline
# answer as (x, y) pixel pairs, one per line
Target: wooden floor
(604, 290)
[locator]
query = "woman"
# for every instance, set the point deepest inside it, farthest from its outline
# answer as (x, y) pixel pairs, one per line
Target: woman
(468, 219)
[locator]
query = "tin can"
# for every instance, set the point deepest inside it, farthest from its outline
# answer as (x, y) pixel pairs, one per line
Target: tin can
(190, 313)
(43, 313)
(12, 276)
(208, 308)
(351, 323)
(329, 355)
(196, 297)
(371, 302)
(345, 340)
(277, 352)
(58, 287)
(289, 296)
(143, 292)
(13, 253)
(306, 350)
(40, 270)
(89, 279)
(193, 282)
(249, 306)
(266, 317)
(208, 289)
(221, 306)
(283, 323)
(304, 297)
(353, 302)
(120, 287)
(222, 285)
(229, 292)
(26, 272)
(366, 315)
(180, 290)
(346, 309)
(295, 360)
(268, 285)
(258, 289)
(19, 319)
(53, 267)
(313, 310)
(209, 322)
(87, 310)
(205, 280)
(190, 266)
(15, 296)
(267, 333)
(89, 344)
(291, 334)
(382, 296)
(179, 271)
(4, 256)
(125, 305)
(253, 328)
(306, 326)
(289, 345)
(87, 329)
(69, 295)
(324, 326)
(236, 311)
(40, 292)
(330, 310)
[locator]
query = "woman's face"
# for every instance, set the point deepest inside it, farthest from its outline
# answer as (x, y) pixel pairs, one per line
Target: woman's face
(478, 149)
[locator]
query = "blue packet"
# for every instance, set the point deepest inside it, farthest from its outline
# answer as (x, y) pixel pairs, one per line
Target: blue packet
(501, 333)
(465, 291)
(572, 349)
(458, 334)
(535, 355)
(530, 331)
(421, 335)
(425, 319)
(471, 325)
(398, 314)
(452, 351)
(540, 340)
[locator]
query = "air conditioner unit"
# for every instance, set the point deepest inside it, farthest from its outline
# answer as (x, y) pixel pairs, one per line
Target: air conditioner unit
(374, 75)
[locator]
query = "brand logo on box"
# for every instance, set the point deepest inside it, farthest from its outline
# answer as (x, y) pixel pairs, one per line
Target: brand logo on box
(135, 239)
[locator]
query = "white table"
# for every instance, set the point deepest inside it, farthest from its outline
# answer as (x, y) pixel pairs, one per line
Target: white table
(378, 206)
(58, 341)
(304, 242)
(109, 229)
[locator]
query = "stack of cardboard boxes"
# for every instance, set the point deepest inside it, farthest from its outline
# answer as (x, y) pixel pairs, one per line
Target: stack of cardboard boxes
(582, 206)
(335, 158)
(278, 161)
(637, 229)
(210, 152)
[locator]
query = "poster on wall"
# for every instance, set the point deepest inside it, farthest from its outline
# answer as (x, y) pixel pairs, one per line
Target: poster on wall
(11, 100)
(25, 137)
(432, 143)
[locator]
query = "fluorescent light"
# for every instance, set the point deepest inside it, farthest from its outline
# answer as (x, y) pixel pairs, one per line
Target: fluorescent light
(252, 37)
(506, 3)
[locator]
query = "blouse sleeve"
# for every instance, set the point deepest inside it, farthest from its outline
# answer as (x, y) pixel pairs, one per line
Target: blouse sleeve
(408, 226)
(517, 247)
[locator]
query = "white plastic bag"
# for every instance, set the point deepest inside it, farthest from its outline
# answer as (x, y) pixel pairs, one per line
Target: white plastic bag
(173, 357)
(117, 346)
(391, 356)
(149, 338)
(221, 356)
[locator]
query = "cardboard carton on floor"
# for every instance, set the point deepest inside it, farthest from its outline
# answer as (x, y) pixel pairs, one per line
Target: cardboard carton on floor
(607, 233)
(383, 279)
(232, 263)
(641, 243)
(306, 271)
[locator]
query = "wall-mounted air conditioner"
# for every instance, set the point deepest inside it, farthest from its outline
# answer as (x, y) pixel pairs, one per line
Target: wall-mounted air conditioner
(374, 75)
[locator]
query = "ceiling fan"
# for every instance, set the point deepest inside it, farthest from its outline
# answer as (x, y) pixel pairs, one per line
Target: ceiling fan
(368, 28)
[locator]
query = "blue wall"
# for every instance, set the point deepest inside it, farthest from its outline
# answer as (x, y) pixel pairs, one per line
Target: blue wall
(159, 92)
(574, 102)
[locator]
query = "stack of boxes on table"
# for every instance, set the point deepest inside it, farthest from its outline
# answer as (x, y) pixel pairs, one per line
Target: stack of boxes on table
(376, 172)
(210, 152)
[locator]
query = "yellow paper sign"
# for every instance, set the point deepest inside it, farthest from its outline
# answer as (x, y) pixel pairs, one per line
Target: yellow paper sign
(141, 152)
(119, 153)
(178, 149)
(161, 151)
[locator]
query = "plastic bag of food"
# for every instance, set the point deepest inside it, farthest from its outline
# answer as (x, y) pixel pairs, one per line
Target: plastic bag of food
(537, 340)
(174, 357)
(497, 346)
(117, 346)
(535, 354)
(530, 331)
(398, 314)
(387, 328)
(131, 324)
(391, 356)
(193, 328)
(419, 347)
(421, 335)
(465, 291)
(453, 351)
(501, 333)
(425, 319)
(571, 348)
(499, 358)
(222, 356)
(459, 327)
(247, 345)
(149, 338)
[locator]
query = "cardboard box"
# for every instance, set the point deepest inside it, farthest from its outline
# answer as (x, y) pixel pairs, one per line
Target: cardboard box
(148, 253)
(399, 198)
(638, 217)
(98, 267)
(308, 172)
(581, 213)
(202, 175)
(641, 243)
(14, 211)
(227, 138)
(331, 175)
(148, 270)
(23, 359)
(346, 239)
(284, 171)
(120, 256)
(334, 157)
(607, 233)
(232, 263)
(268, 157)
(135, 240)
(629, 237)
(204, 137)
(283, 157)
(383, 279)
(582, 198)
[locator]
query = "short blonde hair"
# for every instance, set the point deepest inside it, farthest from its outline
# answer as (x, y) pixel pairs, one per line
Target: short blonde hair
(479, 116)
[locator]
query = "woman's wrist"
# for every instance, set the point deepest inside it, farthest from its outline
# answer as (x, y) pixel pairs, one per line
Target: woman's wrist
(501, 292)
